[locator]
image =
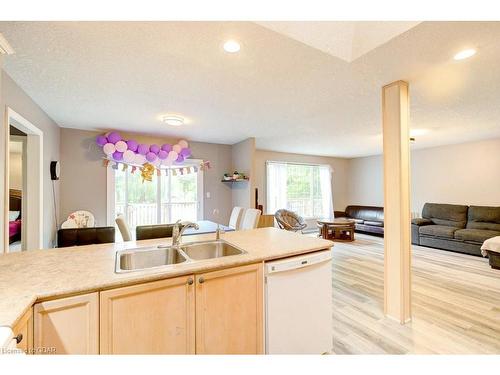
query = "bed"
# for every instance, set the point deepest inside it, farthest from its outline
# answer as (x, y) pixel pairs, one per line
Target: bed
(15, 223)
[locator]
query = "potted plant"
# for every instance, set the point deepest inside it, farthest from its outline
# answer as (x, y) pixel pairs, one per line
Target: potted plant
(227, 177)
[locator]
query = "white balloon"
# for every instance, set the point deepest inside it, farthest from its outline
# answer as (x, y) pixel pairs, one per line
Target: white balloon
(177, 148)
(172, 155)
(156, 162)
(109, 148)
(121, 146)
(129, 156)
(167, 162)
(139, 159)
(183, 143)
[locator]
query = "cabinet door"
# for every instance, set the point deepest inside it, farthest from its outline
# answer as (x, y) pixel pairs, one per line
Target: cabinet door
(152, 318)
(229, 311)
(67, 325)
(23, 331)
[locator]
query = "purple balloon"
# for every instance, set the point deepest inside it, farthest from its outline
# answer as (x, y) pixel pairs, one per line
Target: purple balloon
(150, 156)
(118, 156)
(162, 155)
(154, 149)
(132, 145)
(114, 137)
(180, 159)
(166, 147)
(186, 152)
(143, 149)
(101, 140)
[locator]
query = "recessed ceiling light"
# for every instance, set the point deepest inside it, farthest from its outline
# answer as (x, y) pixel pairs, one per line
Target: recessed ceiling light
(173, 120)
(231, 46)
(466, 53)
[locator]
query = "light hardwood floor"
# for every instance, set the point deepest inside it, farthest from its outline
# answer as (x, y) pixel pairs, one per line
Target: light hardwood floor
(455, 303)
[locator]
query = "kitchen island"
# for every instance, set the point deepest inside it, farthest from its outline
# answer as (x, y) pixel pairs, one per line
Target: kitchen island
(41, 285)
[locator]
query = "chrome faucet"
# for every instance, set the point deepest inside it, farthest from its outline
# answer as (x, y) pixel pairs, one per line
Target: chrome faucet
(177, 232)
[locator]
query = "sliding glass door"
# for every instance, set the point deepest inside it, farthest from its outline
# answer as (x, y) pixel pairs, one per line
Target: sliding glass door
(166, 199)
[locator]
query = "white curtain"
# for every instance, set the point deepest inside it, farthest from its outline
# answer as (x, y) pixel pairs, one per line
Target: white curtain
(276, 186)
(325, 175)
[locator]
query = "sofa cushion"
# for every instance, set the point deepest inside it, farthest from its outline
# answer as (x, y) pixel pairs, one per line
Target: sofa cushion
(452, 215)
(356, 221)
(483, 217)
(374, 223)
(370, 213)
(475, 235)
(421, 221)
(443, 231)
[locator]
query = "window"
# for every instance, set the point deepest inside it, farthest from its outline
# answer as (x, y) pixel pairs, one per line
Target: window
(166, 199)
(302, 188)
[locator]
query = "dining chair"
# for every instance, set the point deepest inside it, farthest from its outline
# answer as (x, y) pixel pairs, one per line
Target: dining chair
(148, 232)
(250, 218)
(235, 219)
(123, 227)
(85, 236)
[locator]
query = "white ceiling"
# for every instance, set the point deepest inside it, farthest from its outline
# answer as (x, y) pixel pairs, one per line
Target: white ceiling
(289, 96)
(346, 40)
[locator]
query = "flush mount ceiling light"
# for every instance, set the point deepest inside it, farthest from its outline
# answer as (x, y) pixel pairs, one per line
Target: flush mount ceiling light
(231, 46)
(466, 53)
(173, 120)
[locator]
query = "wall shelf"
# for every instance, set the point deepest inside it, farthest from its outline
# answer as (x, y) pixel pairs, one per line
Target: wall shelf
(238, 180)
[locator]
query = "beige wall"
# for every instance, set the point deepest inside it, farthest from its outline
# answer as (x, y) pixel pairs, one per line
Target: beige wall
(14, 97)
(467, 173)
(243, 155)
(16, 171)
(83, 178)
(338, 165)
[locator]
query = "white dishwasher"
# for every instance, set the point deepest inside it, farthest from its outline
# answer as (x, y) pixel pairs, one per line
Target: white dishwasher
(298, 301)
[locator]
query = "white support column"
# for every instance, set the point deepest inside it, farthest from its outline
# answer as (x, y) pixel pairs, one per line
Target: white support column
(397, 242)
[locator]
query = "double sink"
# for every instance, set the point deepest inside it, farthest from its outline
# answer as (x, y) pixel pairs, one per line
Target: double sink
(161, 256)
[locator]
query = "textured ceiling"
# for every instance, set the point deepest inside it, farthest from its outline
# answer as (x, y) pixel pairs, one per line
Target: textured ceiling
(289, 96)
(347, 40)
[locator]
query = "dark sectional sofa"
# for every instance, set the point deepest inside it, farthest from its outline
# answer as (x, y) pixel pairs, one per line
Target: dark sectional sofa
(456, 227)
(368, 219)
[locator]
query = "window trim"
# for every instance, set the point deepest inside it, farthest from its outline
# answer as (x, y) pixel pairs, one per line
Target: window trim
(110, 192)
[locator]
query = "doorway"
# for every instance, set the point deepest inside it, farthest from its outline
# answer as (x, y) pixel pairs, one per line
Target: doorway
(23, 184)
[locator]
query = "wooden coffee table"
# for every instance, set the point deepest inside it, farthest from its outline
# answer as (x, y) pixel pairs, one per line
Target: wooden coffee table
(342, 229)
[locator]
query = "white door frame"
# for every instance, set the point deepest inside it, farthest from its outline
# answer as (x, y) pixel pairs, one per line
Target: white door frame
(33, 196)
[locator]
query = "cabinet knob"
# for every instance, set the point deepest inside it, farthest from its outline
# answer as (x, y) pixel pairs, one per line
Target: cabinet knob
(201, 280)
(190, 281)
(18, 338)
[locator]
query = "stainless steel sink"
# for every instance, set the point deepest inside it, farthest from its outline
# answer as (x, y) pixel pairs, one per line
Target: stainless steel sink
(147, 258)
(210, 250)
(156, 257)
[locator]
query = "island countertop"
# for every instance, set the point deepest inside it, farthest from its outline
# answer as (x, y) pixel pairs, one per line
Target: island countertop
(35, 275)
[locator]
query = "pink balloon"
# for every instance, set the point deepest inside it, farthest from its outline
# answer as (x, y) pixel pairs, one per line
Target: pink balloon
(183, 143)
(139, 159)
(150, 156)
(172, 155)
(162, 155)
(114, 137)
(143, 149)
(177, 148)
(109, 148)
(132, 145)
(121, 146)
(101, 140)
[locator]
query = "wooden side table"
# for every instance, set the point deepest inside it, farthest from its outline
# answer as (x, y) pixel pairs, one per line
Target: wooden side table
(342, 230)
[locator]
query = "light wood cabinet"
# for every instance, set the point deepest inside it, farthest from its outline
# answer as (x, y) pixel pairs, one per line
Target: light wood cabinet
(67, 325)
(152, 318)
(229, 312)
(23, 332)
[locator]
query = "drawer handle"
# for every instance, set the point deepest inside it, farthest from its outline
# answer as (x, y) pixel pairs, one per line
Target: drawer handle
(190, 281)
(18, 338)
(201, 280)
